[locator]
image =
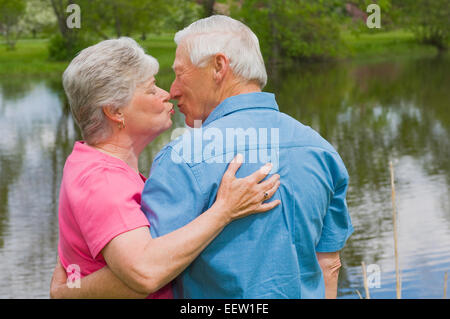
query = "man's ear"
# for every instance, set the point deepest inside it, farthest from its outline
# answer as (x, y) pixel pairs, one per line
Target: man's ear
(114, 114)
(221, 65)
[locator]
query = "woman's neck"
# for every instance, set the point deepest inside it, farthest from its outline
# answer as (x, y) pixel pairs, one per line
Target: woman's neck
(127, 152)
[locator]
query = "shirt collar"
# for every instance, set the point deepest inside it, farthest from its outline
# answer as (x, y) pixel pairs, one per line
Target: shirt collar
(242, 102)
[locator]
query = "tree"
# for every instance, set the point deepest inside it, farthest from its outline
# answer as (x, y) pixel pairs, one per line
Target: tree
(182, 13)
(59, 9)
(10, 13)
(429, 20)
(208, 7)
(67, 43)
(38, 17)
(116, 18)
(292, 29)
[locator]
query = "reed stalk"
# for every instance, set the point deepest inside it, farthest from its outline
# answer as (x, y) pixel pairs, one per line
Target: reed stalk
(366, 286)
(359, 294)
(445, 285)
(394, 217)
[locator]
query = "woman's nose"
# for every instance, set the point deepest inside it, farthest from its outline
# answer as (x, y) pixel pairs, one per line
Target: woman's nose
(165, 94)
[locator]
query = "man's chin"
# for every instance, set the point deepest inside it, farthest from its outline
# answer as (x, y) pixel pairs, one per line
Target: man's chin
(189, 122)
(193, 123)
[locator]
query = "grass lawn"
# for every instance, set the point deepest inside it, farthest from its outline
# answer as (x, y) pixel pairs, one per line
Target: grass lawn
(31, 55)
(384, 45)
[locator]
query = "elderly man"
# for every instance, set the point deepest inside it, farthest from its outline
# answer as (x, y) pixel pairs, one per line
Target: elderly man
(292, 252)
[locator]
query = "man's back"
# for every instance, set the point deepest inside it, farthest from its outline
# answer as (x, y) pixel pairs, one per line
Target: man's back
(270, 255)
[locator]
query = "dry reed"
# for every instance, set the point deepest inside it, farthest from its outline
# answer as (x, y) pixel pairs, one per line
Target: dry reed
(394, 217)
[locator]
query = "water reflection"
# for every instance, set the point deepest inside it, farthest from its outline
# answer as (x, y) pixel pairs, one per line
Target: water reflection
(371, 113)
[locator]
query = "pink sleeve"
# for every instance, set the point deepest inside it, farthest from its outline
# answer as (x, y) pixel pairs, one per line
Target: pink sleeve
(109, 206)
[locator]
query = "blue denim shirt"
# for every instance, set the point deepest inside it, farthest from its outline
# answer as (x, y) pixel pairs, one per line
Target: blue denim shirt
(268, 255)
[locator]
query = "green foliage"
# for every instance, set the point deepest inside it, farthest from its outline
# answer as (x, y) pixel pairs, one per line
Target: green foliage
(38, 18)
(116, 18)
(62, 49)
(384, 45)
(293, 29)
(10, 13)
(388, 15)
(181, 13)
(29, 57)
(429, 20)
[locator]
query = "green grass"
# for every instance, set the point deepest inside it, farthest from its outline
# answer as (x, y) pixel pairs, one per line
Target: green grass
(31, 55)
(384, 45)
(162, 48)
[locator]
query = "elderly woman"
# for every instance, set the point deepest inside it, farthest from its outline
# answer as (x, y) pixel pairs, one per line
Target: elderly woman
(119, 108)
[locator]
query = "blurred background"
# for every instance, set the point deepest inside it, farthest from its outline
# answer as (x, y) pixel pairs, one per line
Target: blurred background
(378, 95)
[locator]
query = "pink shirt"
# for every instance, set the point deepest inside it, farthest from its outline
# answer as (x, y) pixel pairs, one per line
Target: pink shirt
(99, 199)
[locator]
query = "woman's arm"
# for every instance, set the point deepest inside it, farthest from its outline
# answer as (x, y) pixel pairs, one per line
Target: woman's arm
(145, 264)
(100, 284)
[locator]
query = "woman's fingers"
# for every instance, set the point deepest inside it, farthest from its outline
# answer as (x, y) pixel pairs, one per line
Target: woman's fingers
(260, 174)
(268, 183)
(245, 196)
(265, 206)
(234, 165)
(268, 192)
(268, 206)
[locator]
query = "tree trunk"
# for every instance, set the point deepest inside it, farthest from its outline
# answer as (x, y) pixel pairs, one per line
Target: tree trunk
(69, 36)
(208, 6)
(276, 49)
(117, 23)
(58, 9)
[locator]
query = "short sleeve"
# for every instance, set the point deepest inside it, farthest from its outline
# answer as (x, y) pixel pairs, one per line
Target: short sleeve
(337, 226)
(172, 197)
(111, 207)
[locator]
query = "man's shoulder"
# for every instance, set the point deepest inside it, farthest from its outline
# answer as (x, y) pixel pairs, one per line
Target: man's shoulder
(178, 155)
(169, 150)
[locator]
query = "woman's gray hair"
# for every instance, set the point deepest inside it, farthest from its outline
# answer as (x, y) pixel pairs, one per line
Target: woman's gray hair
(105, 74)
(222, 34)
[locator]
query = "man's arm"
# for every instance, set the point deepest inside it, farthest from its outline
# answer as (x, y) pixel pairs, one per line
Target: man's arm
(337, 227)
(330, 264)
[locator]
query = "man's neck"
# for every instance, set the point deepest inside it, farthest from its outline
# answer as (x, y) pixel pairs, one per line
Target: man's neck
(237, 88)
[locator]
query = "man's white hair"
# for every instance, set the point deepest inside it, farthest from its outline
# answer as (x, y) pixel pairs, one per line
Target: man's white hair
(221, 34)
(105, 74)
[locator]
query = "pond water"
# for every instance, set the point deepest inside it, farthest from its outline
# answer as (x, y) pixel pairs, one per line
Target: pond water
(372, 113)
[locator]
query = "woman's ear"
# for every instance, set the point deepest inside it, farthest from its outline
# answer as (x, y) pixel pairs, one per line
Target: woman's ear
(114, 114)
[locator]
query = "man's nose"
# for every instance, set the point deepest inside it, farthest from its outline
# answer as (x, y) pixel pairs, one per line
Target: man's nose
(174, 92)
